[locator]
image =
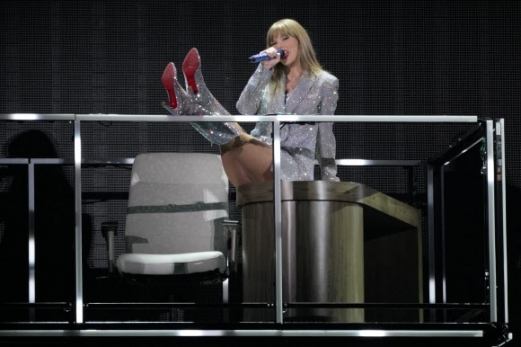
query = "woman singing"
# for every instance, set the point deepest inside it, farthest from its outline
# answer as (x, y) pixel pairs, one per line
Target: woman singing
(289, 83)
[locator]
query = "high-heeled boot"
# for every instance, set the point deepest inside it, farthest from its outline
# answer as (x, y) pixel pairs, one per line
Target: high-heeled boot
(179, 102)
(205, 104)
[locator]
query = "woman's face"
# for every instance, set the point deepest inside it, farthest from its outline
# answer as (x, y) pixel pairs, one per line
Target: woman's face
(289, 45)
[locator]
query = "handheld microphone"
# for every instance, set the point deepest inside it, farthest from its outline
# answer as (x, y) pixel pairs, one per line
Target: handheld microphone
(257, 58)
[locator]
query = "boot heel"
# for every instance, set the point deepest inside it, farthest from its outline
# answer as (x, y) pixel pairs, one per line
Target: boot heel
(191, 63)
(168, 82)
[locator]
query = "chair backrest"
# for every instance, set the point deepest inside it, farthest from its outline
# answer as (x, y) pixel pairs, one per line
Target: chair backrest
(177, 202)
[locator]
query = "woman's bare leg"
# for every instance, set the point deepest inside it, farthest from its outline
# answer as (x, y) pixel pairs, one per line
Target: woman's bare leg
(247, 160)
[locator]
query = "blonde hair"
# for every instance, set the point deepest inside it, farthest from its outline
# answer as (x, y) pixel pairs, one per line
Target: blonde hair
(306, 55)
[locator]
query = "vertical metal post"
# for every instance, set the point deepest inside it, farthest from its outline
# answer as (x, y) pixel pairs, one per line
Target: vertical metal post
(491, 220)
(441, 242)
(78, 229)
(32, 241)
(278, 221)
(500, 132)
(431, 235)
(436, 238)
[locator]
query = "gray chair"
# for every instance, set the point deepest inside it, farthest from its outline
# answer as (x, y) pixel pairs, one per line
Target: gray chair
(177, 230)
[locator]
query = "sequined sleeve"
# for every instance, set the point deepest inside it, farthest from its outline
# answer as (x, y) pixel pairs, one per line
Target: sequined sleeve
(251, 97)
(326, 142)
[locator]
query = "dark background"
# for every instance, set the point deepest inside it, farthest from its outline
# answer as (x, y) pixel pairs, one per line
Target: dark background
(392, 58)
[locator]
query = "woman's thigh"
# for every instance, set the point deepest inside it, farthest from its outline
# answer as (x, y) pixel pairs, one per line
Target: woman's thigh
(248, 163)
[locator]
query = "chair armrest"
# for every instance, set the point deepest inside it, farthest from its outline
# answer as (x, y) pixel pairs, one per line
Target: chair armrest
(109, 230)
(234, 235)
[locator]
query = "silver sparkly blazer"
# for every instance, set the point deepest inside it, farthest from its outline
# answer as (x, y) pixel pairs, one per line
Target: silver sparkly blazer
(300, 144)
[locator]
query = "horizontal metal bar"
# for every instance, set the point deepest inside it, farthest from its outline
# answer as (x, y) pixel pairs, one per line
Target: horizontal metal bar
(108, 161)
(52, 161)
(63, 161)
(383, 305)
(14, 161)
(99, 117)
(264, 305)
(370, 162)
(130, 161)
(462, 306)
(183, 305)
(244, 333)
(37, 116)
(281, 118)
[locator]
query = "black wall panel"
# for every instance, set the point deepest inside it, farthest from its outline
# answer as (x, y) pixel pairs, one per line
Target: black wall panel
(392, 58)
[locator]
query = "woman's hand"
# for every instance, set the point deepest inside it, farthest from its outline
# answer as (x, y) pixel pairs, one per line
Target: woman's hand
(269, 64)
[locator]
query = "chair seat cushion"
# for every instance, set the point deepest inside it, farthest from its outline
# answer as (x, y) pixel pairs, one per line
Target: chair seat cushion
(171, 264)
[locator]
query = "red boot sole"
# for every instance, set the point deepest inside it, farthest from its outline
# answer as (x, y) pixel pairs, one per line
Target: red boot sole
(190, 65)
(168, 82)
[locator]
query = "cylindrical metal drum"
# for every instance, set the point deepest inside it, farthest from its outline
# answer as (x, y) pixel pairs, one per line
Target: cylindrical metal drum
(322, 249)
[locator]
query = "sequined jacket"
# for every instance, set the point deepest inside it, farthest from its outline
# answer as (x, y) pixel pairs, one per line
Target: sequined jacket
(300, 144)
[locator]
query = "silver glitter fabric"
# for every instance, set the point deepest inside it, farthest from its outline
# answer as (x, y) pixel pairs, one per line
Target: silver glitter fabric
(300, 144)
(202, 104)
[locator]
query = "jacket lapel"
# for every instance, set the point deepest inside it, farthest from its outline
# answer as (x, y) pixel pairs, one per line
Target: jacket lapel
(302, 89)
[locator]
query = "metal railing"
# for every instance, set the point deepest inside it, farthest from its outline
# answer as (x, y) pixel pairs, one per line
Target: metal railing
(492, 131)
